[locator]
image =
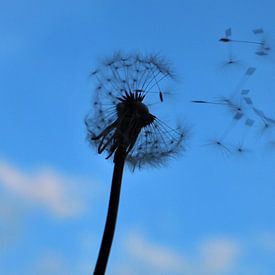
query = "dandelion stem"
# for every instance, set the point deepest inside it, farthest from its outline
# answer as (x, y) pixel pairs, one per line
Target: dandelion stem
(107, 239)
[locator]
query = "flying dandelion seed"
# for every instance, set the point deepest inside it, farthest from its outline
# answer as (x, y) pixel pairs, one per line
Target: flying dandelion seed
(240, 149)
(235, 108)
(227, 38)
(239, 105)
(219, 145)
(121, 125)
(246, 117)
(241, 115)
(263, 47)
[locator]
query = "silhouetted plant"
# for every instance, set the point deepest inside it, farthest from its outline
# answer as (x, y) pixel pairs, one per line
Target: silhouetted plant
(121, 125)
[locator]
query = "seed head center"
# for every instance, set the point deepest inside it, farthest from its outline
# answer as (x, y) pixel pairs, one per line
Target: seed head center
(132, 111)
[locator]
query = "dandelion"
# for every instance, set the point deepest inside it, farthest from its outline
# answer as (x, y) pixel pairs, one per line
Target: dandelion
(122, 126)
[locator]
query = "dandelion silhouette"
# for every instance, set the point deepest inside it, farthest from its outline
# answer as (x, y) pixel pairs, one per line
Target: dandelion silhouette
(120, 124)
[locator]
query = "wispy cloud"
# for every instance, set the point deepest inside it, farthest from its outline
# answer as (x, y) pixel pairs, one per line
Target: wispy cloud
(50, 263)
(10, 220)
(154, 255)
(211, 256)
(219, 255)
(46, 188)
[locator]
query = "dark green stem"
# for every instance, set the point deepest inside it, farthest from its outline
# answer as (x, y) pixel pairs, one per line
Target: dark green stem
(107, 239)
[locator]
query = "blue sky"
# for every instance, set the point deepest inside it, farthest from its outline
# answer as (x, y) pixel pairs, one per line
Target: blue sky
(204, 213)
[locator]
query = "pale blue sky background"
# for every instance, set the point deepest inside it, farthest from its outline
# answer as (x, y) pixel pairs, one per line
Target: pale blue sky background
(202, 214)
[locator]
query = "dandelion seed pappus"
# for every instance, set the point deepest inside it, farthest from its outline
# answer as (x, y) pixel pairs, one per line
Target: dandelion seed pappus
(126, 86)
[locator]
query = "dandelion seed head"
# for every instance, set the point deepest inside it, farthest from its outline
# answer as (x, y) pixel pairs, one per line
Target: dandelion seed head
(124, 86)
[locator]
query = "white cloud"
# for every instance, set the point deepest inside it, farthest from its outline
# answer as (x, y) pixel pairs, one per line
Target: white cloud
(45, 188)
(10, 220)
(211, 256)
(50, 263)
(155, 255)
(219, 254)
